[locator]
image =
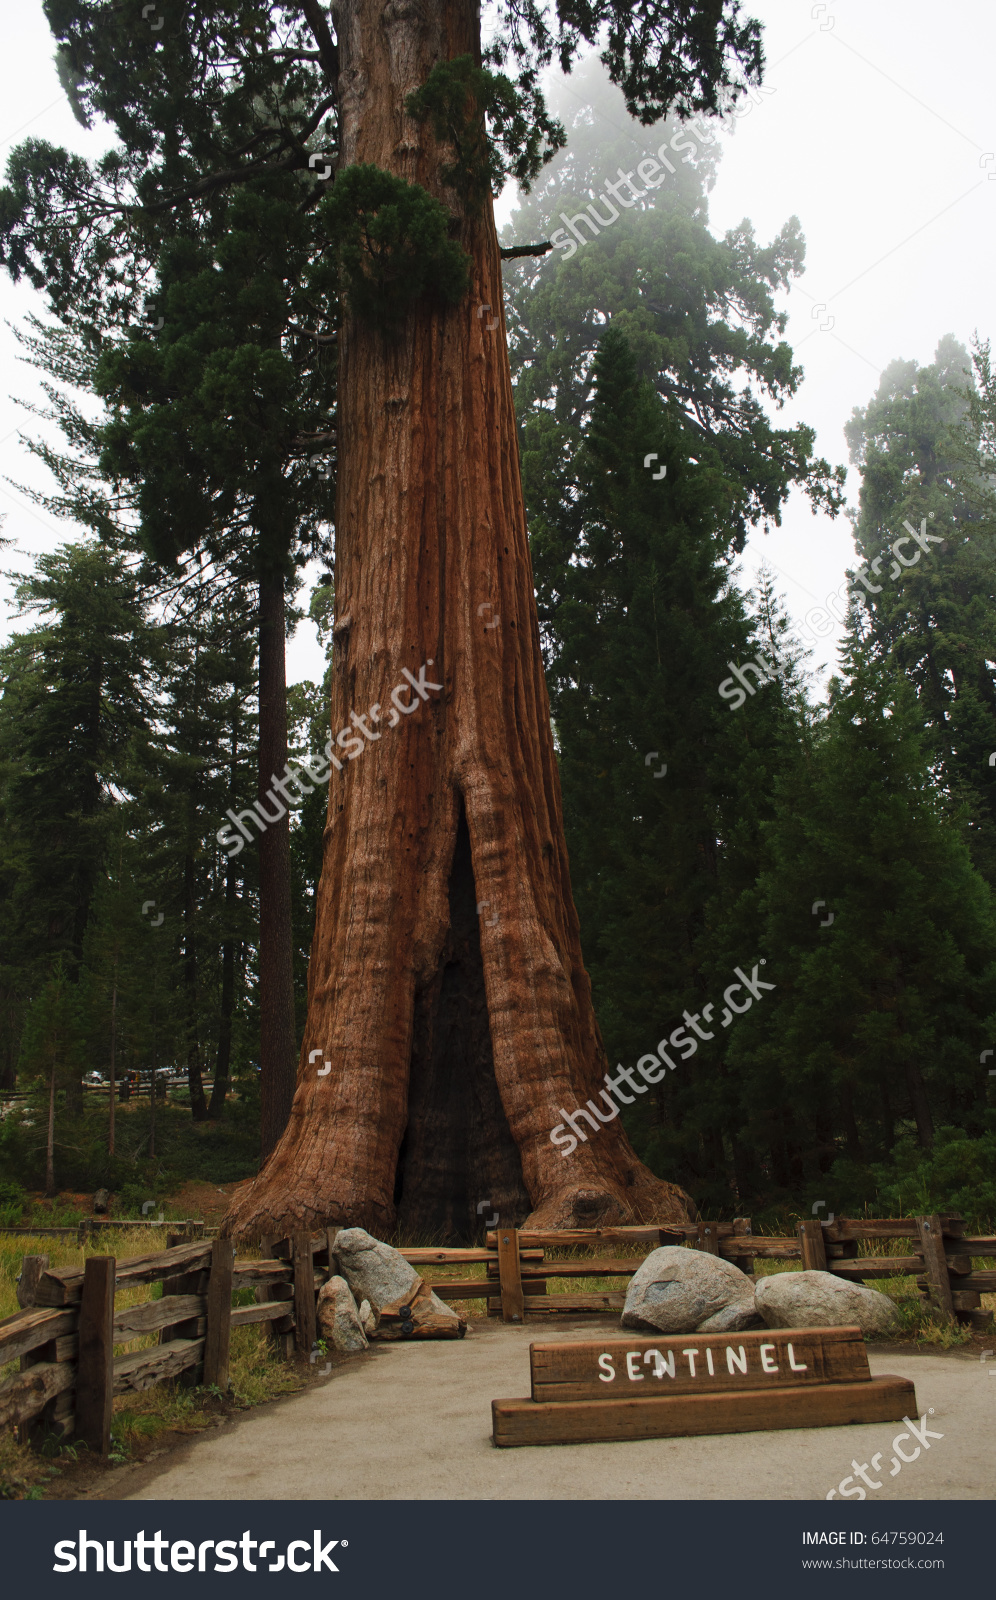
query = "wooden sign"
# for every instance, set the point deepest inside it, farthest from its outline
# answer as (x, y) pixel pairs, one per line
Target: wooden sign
(698, 1363)
(704, 1383)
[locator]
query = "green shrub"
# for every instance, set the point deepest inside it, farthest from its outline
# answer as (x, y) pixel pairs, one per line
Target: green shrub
(959, 1174)
(393, 244)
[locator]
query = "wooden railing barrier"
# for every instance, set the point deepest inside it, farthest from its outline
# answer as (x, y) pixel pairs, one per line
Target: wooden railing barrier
(65, 1334)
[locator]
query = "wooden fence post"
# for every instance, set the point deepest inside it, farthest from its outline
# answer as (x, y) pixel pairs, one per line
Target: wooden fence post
(271, 1290)
(95, 1372)
(32, 1268)
(709, 1238)
(305, 1324)
(811, 1246)
(183, 1283)
(935, 1264)
(742, 1229)
(510, 1276)
(219, 1315)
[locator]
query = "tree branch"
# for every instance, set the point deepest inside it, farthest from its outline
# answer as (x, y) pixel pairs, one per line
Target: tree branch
(310, 333)
(327, 49)
(524, 250)
(253, 169)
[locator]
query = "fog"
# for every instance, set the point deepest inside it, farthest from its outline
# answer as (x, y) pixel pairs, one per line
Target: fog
(874, 130)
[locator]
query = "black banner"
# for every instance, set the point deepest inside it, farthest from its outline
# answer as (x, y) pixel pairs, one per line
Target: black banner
(501, 1549)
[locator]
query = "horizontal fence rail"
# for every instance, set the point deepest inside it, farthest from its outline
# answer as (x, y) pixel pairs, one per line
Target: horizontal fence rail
(64, 1337)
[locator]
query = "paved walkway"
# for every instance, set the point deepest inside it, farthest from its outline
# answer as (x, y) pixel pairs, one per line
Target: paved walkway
(413, 1422)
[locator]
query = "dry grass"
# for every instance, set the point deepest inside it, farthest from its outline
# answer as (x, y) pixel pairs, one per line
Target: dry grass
(256, 1372)
(917, 1319)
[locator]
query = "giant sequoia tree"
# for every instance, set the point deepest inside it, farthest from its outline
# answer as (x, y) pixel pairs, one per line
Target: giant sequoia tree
(447, 990)
(453, 1034)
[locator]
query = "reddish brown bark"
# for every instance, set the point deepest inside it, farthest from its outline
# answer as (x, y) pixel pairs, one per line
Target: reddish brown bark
(454, 1035)
(277, 1026)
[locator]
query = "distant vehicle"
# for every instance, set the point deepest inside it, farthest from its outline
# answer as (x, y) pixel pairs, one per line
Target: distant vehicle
(95, 1080)
(139, 1081)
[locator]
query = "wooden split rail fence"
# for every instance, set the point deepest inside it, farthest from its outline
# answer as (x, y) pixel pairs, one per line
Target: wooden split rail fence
(940, 1256)
(65, 1336)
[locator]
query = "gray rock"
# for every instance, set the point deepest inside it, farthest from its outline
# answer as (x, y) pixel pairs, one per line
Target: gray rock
(689, 1291)
(368, 1318)
(374, 1271)
(380, 1274)
(819, 1300)
(338, 1319)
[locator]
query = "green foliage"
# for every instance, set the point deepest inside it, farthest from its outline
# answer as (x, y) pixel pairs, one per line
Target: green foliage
(393, 243)
(73, 708)
(958, 1174)
(920, 445)
(694, 57)
(13, 1200)
(460, 97)
(222, 1152)
(878, 1019)
(699, 313)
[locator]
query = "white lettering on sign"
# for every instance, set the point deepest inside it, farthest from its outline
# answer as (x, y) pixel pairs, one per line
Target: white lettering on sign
(736, 1362)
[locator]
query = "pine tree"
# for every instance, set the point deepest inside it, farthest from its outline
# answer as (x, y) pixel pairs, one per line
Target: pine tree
(51, 1051)
(666, 783)
(698, 312)
(75, 701)
(928, 576)
(214, 449)
(879, 934)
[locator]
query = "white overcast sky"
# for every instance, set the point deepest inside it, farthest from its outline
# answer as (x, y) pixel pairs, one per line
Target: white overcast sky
(879, 136)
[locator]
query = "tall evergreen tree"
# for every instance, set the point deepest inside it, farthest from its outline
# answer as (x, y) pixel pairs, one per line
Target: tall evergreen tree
(879, 933)
(698, 312)
(928, 579)
(666, 782)
(51, 1050)
(213, 448)
(76, 702)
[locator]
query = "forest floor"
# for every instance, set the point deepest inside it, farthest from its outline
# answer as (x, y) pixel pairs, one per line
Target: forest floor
(413, 1422)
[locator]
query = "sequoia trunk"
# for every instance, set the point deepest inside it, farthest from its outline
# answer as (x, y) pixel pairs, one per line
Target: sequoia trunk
(450, 1014)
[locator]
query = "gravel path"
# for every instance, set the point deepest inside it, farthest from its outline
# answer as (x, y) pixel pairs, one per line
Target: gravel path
(413, 1422)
